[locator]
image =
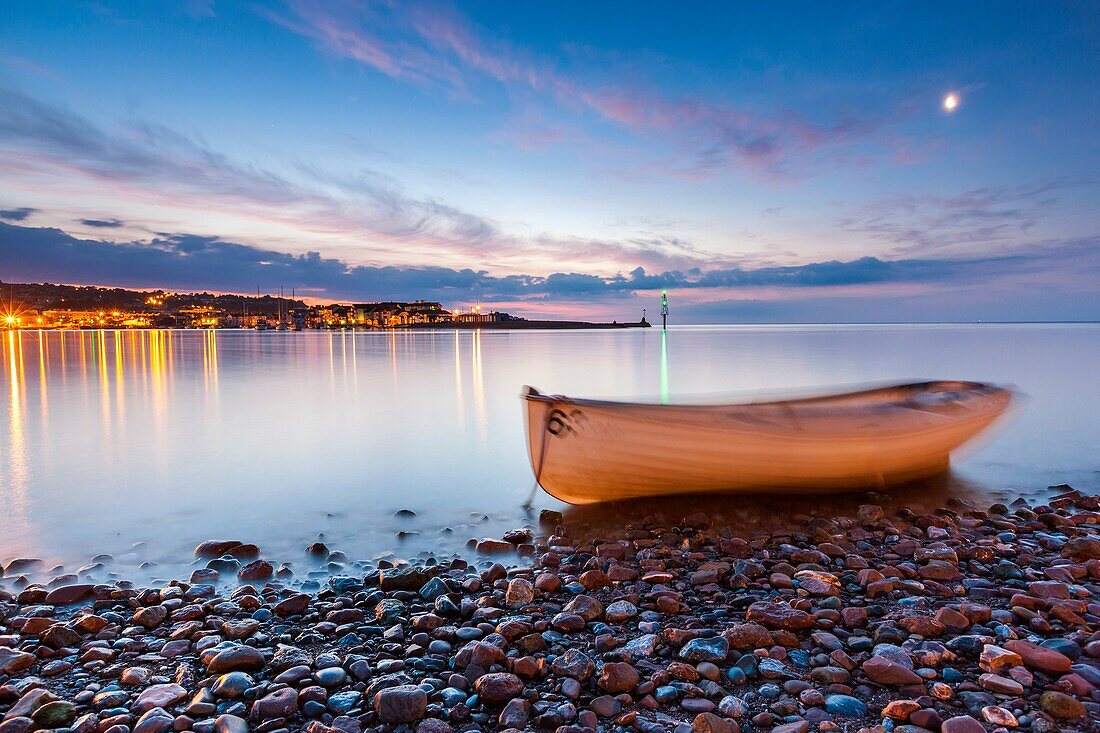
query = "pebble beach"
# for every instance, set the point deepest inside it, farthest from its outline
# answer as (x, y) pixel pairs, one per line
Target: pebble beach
(960, 619)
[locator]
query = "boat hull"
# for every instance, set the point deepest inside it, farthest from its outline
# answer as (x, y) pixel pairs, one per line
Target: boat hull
(587, 451)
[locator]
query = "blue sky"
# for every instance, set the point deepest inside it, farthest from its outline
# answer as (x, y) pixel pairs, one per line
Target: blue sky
(790, 163)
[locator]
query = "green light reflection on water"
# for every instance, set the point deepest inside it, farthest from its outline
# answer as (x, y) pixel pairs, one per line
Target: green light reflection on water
(664, 367)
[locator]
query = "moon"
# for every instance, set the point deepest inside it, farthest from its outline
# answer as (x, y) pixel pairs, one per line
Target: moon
(950, 102)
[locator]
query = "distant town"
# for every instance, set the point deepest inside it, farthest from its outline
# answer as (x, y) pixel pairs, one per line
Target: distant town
(51, 306)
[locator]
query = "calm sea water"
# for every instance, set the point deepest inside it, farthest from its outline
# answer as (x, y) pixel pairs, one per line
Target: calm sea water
(143, 443)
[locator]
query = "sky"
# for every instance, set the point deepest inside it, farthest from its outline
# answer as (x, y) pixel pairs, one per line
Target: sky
(793, 162)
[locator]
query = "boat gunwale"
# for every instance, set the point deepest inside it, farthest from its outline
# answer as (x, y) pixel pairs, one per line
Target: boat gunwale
(983, 389)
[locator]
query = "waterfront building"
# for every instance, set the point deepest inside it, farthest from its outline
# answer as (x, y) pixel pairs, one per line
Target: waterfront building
(202, 316)
(331, 316)
(427, 311)
(380, 315)
(297, 317)
(391, 314)
(479, 317)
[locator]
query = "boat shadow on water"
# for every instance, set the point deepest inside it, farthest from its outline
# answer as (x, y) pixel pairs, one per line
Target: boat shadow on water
(746, 514)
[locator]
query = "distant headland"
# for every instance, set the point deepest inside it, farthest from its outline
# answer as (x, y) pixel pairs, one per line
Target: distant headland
(53, 306)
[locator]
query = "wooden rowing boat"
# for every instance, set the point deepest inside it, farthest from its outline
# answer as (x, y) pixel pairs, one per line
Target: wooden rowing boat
(585, 451)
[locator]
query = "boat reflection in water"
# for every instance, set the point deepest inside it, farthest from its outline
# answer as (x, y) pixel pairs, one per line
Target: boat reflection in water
(585, 451)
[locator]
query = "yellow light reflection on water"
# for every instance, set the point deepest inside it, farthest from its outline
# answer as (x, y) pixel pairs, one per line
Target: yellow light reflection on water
(159, 373)
(481, 415)
(169, 351)
(83, 358)
(344, 337)
(332, 361)
(14, 485)
(393, 355)
(460, 412)
(120, 391)
(63, 337)
(139, 353)
(43, 359)
(354, 365)
(104, 382)
(210, 361)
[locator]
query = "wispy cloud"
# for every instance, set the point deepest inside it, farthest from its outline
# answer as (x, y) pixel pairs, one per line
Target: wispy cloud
(531, 131)
(159, 165)
(343, 28)
(988, 216)
(24, 65)
(102, 223)
(45, 138)
(433, 44)
(16, 214)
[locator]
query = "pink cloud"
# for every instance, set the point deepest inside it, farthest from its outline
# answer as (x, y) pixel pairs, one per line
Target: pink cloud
(48, 151)
(341, 28)
(432, 43)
